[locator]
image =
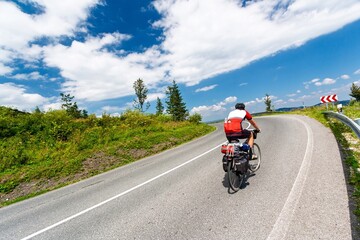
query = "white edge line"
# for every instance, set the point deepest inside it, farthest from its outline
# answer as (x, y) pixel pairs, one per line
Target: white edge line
(281, 226)
(117, 196)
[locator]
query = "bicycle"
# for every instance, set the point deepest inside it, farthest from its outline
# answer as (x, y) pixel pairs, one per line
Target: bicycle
(237, 162)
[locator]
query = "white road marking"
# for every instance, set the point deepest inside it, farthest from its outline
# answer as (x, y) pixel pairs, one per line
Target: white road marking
(117, 196)
(282, 224)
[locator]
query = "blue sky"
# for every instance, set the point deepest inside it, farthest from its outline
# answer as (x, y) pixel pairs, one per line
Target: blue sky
(219, 52)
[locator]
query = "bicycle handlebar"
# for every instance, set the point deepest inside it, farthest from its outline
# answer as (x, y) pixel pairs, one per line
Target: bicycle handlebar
(254, 130)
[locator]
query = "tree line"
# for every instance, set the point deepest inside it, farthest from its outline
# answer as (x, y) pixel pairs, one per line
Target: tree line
(175, 105)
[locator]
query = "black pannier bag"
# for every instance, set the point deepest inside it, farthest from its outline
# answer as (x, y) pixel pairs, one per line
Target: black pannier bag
(224, 161)
(240, 163)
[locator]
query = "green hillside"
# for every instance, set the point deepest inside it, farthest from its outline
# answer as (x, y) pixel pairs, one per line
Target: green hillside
(43, 151)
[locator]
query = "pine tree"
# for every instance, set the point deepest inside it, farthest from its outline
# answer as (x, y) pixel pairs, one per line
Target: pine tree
(355, 92)
(175, 105)
(141, 93)
(37, 110)
(159, 107)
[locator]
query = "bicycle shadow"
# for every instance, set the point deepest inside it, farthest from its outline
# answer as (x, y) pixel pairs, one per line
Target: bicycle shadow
(226, 184)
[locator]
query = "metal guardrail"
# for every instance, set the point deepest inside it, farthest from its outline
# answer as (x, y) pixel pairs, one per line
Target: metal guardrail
(346, 120)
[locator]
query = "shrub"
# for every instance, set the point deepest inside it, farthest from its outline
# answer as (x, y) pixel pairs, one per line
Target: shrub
(195, 118)
(136, 119)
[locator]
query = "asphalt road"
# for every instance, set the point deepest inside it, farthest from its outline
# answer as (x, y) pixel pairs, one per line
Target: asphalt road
(299, 192)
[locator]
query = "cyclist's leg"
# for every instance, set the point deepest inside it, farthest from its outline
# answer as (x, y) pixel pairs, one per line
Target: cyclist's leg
(251, 139)
(249, 136)
(251, 143)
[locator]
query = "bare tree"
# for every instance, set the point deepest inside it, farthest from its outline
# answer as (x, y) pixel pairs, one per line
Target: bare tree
(141, 93)
(267, 101)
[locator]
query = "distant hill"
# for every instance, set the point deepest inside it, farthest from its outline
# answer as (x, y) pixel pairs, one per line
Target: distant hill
(285, 109)
(344, 103)
(288, 109)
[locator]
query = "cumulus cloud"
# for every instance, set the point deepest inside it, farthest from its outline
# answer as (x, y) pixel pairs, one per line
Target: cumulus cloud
(357, 71)
(55, 19)
(293, 94)
(29, 76)
(227, 100)
(207, 88)
(317, 82)
(153, 96)
(280, 102)
(15, 96)
(52, 106)
(228, 36)
(213, 20)
(58, 18)
(218, 108)
(111, 109)
(4, 69)
(345, 77)
(95, 74)
(326, 81)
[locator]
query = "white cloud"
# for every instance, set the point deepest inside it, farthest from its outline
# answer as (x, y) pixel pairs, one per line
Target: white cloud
(104, 76)
(345, 77)
(4, 69)
(215, 109)
(18, 29)
(307, 84)
(153, 96)
(315, 80)
(52, 106)
(357, 71)
(280, 102)
(210, 112)
(111, 109)
(326, 81)
(207, 88)
(231, 99)
(205, 109)
(15, 96)
(93, 73)
(29, 76)
(222, 52)
(58, 18)
(293, 94)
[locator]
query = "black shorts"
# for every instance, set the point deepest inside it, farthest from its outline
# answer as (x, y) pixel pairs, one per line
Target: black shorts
(240, 135)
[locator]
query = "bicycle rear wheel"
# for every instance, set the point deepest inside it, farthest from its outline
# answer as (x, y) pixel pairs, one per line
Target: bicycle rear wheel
(254, 164)
(235, 179)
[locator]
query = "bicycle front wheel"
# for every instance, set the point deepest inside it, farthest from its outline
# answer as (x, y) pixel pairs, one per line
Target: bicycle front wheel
(254, 164)
(235, 178)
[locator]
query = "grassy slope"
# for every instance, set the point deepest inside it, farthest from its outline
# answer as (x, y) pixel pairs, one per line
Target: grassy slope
(41, 152)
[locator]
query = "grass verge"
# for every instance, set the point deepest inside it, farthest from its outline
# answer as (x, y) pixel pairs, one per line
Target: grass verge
(42, 152)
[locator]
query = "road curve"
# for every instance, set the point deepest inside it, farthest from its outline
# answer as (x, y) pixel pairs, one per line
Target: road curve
(298, 193)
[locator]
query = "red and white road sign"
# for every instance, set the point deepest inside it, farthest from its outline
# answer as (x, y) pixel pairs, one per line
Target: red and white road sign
(329, 98)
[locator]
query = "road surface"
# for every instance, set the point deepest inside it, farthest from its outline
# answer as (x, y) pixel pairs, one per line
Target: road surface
(299, 192)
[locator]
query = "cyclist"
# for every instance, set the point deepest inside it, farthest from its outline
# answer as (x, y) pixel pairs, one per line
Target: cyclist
(233, 128)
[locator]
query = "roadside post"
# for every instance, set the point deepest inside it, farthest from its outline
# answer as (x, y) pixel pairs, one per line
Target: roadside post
(339, 108)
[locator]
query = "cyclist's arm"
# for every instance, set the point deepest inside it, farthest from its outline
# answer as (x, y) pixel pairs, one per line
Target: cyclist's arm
(250, 119)
(254, 124)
